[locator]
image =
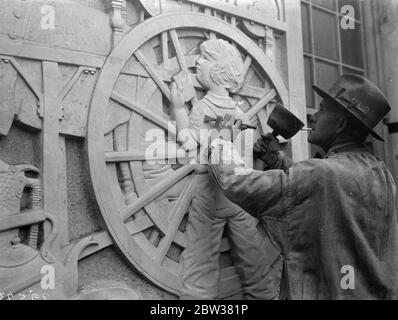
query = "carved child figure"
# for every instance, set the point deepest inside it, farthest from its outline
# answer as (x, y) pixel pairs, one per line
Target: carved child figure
(220, 71)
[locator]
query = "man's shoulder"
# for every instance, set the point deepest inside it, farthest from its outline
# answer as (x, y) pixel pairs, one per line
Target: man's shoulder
(339, 164)
(311, 164)
(312, 176)
(316, 168)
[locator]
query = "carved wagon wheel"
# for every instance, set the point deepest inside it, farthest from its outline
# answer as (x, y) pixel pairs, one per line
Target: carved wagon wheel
(145, 205)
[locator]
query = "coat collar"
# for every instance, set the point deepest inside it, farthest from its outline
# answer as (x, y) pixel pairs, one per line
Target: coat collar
(345, 147)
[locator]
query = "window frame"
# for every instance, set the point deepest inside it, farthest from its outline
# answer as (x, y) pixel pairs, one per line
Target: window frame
(337, 63)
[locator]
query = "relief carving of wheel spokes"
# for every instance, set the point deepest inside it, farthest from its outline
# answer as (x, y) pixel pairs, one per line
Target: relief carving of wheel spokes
(145, 204)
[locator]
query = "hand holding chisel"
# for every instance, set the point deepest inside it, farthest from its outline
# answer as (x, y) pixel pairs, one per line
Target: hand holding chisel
(242, 126)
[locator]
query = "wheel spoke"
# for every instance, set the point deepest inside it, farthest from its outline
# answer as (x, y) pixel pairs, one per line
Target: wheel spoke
(262, 117)
(145, 113)
(139, 155)
(156, 191)
(143, 222)
(178, 49)
(165, 49)
(164, 73)
(138, 225)
(179, 210)
(251, 92)
(188, 86)
(261, 103)
(152, 72)
(135, 68)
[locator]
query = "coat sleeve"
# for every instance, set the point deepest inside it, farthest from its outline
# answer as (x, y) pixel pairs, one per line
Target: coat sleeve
(262, 194)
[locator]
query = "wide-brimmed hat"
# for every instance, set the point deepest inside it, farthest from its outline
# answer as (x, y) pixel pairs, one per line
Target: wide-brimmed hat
(362, 99)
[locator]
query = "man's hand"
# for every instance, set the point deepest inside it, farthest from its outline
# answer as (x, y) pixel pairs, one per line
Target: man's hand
(223, 152)
(267, 149)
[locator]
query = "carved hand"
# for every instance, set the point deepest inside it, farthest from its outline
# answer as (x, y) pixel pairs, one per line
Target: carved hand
(178, 110)
(177, 96)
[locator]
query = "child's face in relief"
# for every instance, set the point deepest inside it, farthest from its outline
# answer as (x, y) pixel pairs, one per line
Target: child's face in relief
(203, 65)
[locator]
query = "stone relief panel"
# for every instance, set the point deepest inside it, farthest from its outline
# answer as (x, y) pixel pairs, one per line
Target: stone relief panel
(145, 204)
(29, 234)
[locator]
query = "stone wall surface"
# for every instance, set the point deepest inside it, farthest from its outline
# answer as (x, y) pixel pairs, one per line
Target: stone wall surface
(108, 268)
(388, 26)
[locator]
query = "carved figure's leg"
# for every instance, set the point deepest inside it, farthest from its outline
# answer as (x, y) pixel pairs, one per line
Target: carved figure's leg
(250, 257)
(200, 270)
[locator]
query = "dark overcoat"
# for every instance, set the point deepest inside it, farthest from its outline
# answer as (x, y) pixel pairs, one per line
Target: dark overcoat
(334, 221)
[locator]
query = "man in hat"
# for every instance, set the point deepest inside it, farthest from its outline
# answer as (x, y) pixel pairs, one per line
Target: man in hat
(333, 219)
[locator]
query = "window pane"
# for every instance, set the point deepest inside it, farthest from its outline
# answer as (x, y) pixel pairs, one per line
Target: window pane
(309, 93)
(351, 46)
(354, 4)
(330, 4)
(305, 23)
(326, 76)
(325, 34)
(348, 70)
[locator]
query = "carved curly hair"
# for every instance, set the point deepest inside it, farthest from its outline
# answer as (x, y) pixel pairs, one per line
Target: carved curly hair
(227, 67)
